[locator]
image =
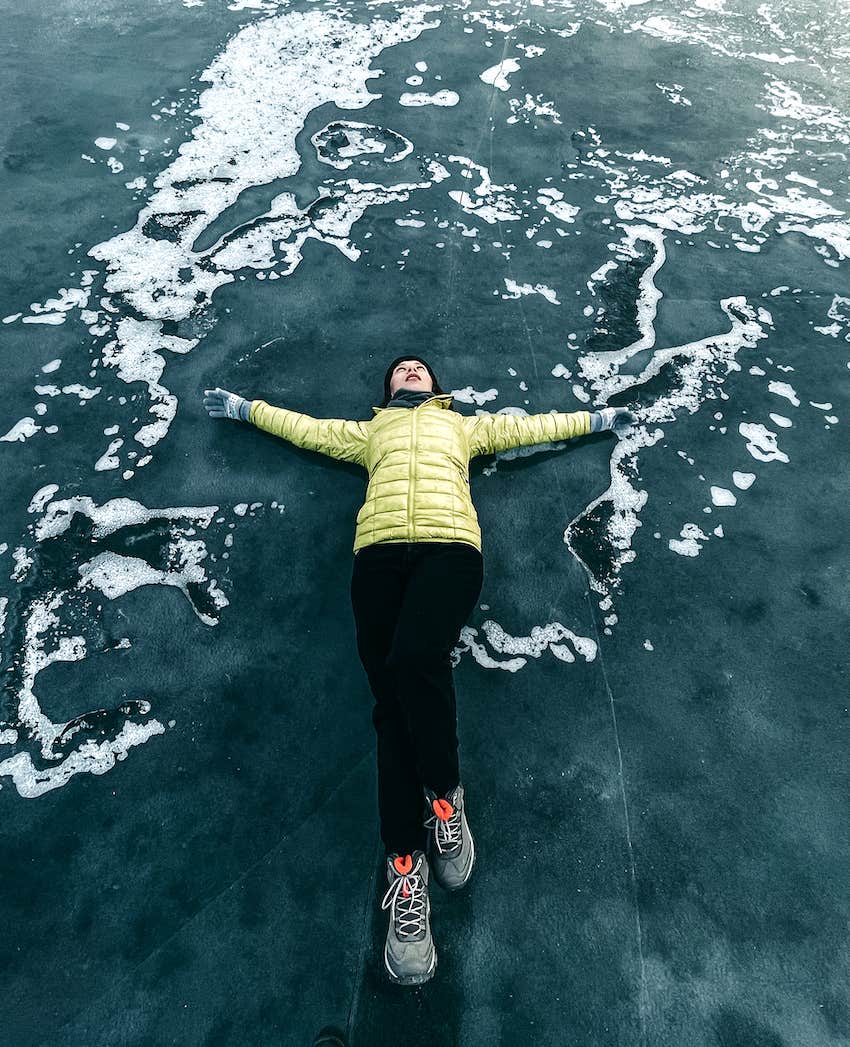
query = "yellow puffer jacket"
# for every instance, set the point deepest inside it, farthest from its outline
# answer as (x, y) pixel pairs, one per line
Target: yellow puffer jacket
(418, 461)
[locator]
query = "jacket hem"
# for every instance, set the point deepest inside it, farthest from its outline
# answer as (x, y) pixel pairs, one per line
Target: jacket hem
(408, 540)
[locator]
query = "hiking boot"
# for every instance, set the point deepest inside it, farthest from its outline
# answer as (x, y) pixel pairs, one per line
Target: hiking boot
(451, 850)
(409, 953)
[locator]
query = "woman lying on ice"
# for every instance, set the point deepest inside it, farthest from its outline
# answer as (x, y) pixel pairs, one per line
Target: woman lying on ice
(417, 575)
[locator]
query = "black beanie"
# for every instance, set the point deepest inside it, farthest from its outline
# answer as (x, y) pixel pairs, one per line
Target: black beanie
(392, 367)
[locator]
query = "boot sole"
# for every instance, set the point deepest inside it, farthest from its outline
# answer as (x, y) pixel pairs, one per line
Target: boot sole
(410, 979)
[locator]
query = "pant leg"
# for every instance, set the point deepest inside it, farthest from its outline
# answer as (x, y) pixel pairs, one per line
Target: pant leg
(378, 582)
(443, 588)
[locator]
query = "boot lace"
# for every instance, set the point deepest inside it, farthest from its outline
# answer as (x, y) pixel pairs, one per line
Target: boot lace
(406, 895)
(447, 831)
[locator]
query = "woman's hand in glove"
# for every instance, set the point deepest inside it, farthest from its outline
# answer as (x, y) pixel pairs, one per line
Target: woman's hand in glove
(222, 404)
(615, 418)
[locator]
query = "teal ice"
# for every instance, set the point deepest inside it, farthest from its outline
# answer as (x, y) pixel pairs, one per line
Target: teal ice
(563, 206)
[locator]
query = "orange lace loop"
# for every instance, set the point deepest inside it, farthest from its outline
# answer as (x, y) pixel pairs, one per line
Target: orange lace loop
(403, 863)
(443, 809)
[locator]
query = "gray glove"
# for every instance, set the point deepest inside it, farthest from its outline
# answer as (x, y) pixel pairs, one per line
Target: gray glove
(222, 404)
(615, 418)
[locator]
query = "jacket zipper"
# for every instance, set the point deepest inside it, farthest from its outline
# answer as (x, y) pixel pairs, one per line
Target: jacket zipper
(412, 475)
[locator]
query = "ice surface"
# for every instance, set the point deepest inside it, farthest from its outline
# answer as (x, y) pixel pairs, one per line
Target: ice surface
(575, 189)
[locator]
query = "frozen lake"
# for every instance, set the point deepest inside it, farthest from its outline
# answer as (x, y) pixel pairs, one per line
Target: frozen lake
(562, 206)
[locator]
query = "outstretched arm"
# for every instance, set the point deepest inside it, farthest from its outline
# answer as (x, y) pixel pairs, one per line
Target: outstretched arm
(335, 437)
(489, 433)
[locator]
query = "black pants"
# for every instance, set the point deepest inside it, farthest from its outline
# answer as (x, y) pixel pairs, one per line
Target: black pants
(410, 602)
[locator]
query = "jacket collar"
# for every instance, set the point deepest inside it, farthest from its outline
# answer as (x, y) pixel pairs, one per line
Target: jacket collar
(439, 400)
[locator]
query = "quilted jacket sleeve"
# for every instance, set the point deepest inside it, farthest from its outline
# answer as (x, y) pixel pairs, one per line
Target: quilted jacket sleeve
(335, 437)
(489, 433)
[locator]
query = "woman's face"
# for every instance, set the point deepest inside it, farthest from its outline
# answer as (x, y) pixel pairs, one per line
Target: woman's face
(411, 374)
